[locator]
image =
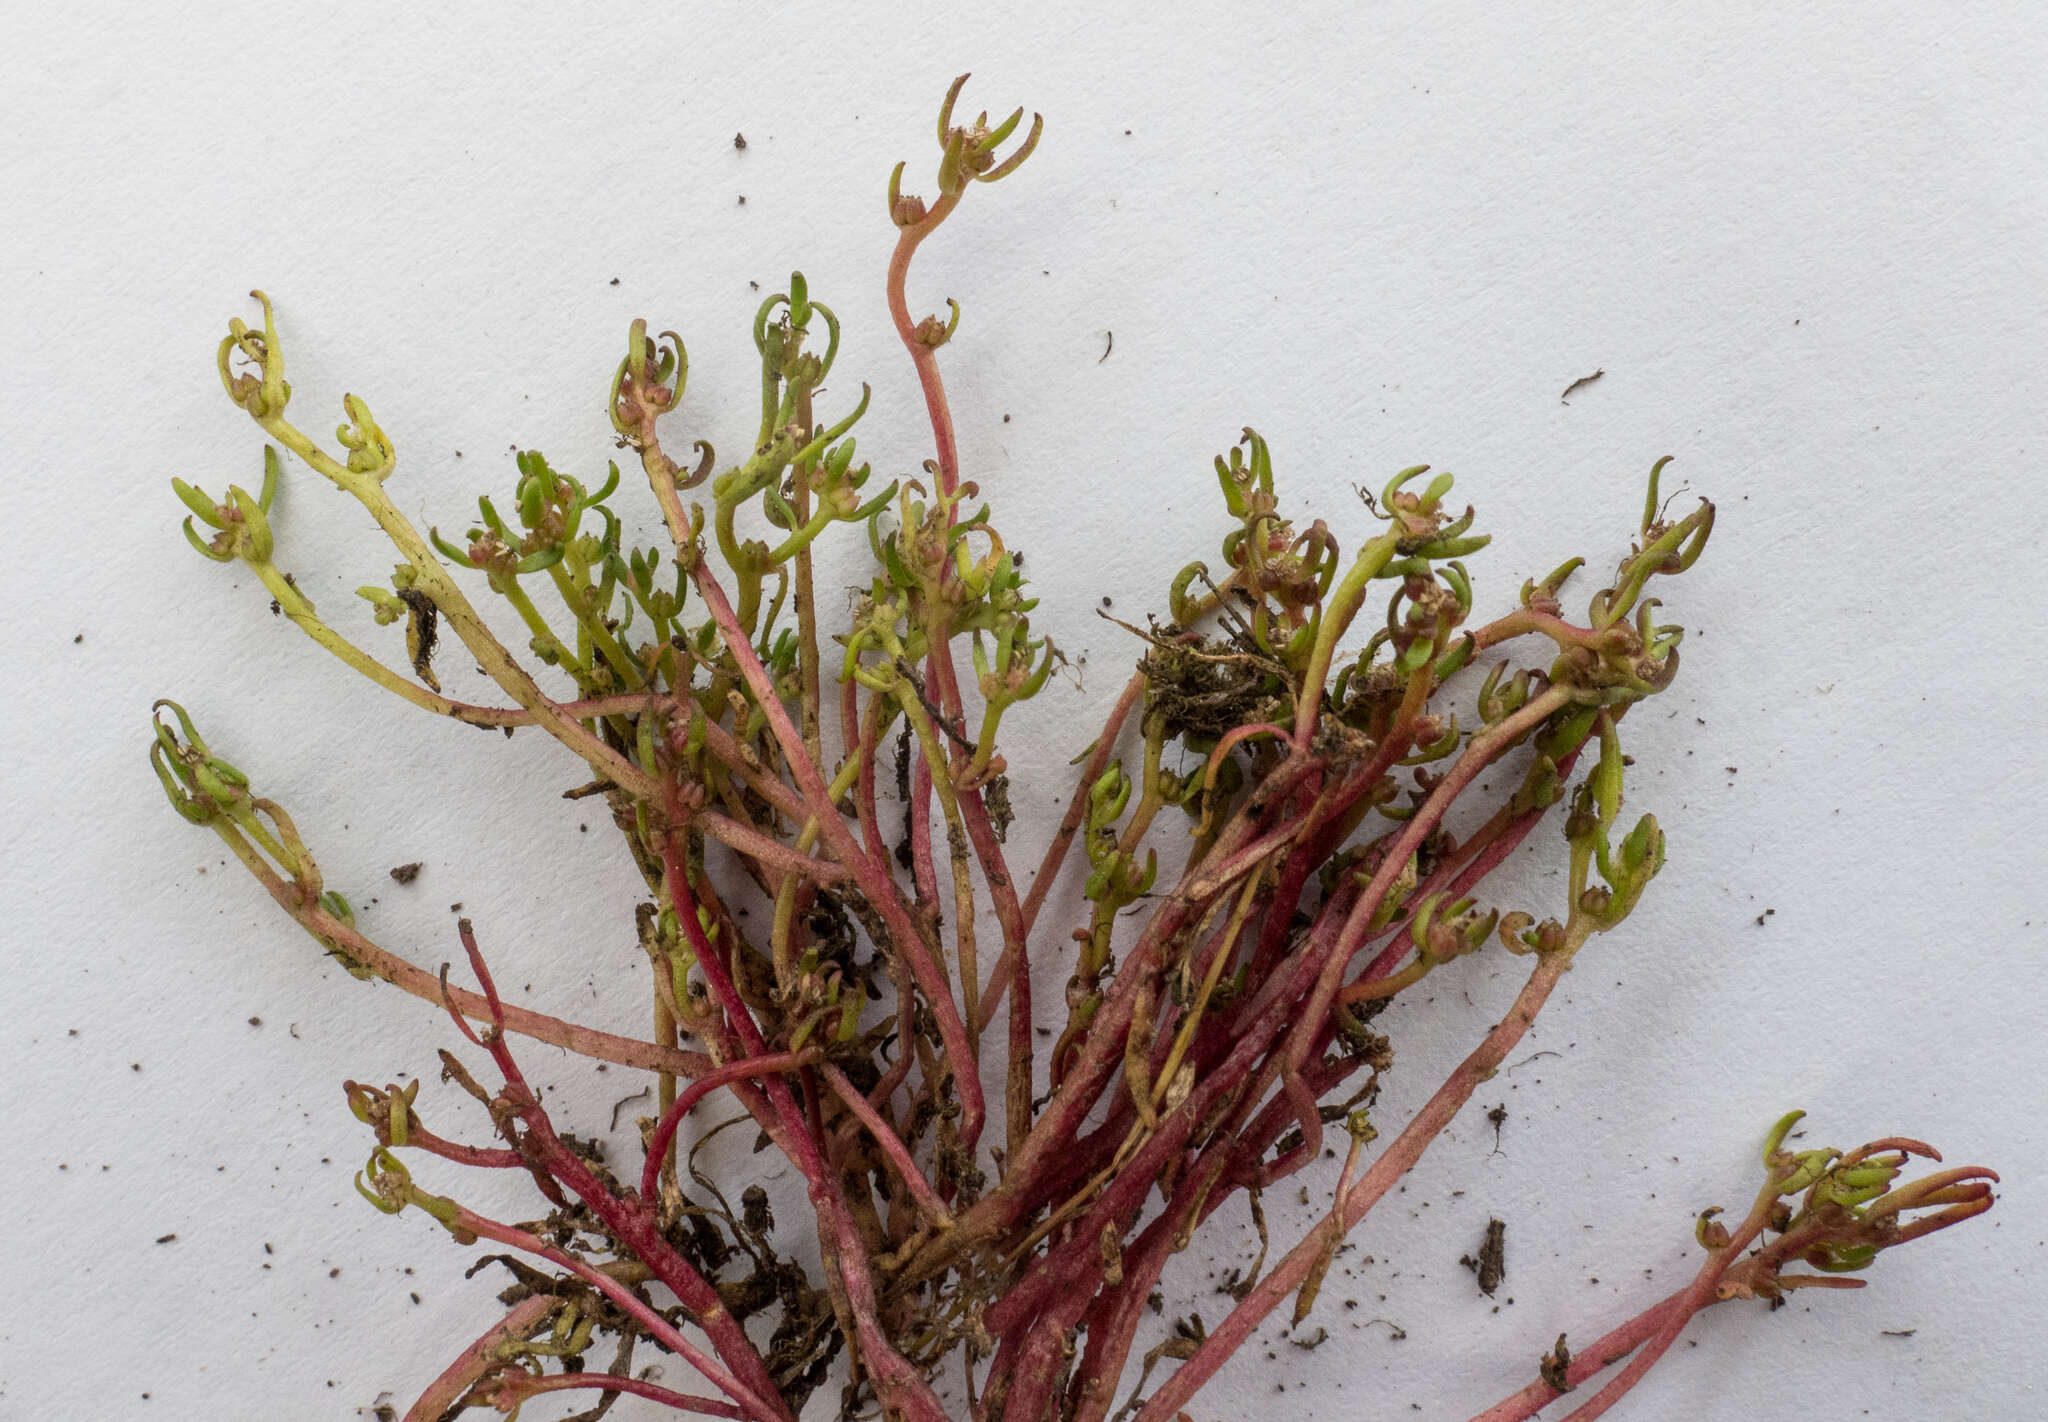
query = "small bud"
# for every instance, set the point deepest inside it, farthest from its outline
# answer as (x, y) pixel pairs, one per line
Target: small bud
(1708, 1232)
(370, 449)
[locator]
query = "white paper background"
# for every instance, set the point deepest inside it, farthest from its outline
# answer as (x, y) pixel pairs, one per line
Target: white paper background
(1806, 248)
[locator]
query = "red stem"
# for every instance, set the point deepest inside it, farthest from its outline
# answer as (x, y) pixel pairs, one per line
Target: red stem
(839, 1239)
(631, 1222)
(766, 1408)
(923, 873)
(1478, 755)
(1102, 1048)
(703, 1086)
(1077, 1261)
(485, 1157)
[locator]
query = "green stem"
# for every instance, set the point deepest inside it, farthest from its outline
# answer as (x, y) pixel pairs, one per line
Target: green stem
(433, 579)
(1338, 610)
(293, 604)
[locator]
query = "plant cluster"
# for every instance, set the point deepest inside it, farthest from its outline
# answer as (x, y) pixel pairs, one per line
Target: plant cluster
(998, 1175)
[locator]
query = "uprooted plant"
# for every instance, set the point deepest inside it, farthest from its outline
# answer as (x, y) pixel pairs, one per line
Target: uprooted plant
(984, 1199)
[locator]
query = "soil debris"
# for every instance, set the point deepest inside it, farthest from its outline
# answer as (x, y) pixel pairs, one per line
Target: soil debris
(1555, 1366)
(1579, 384)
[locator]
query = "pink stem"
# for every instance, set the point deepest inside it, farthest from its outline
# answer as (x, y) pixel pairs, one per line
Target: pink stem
(771, 788)
(869, 734)
(481, 1356)
(618, 1382)
(1213, 879)
(923, 356)
(410, 978)
(1461, 879)
(676, 879)
(898, 1073)
(1380, 1177)
(1610, 1349)
(891, 1144)
(1077, 1261)
(1002, 891)
(483, 1157)
(875, 886)
(1696, 1296)
(923, 872)
(772, 854)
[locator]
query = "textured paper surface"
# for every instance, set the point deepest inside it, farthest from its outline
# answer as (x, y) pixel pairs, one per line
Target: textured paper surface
(1806, 250)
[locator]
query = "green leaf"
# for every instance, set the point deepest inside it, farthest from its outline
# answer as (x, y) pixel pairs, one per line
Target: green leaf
(206, 510)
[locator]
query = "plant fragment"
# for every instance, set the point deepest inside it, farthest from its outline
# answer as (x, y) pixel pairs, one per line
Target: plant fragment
(997, 1175)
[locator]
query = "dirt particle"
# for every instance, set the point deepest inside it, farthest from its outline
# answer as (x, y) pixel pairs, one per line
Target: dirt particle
(642, 1094)
(1555, 1366)
(406, 873)
(167, 1239)
(1491, 1265)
